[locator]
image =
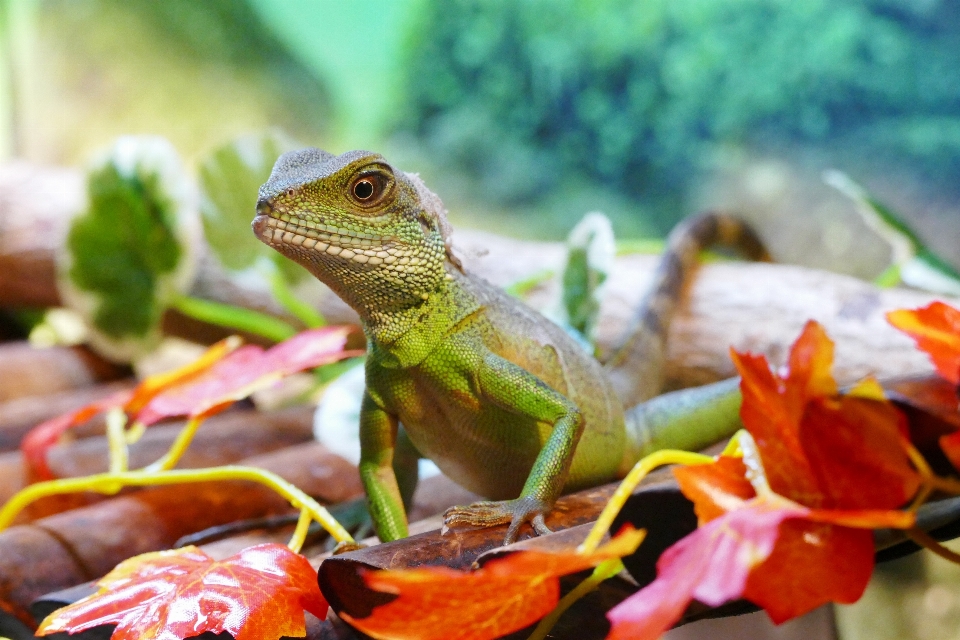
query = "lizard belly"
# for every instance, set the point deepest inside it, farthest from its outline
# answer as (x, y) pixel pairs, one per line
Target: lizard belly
(481, 447)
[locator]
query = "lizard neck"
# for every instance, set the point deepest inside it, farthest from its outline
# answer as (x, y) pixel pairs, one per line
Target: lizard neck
(404, 337)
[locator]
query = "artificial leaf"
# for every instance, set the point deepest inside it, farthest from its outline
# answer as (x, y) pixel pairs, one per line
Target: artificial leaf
(246, 370)
(257, 594)
(912, 261)
(590, 253)
(506, 594)
(936, 329)
(135, 247)
(230, 177)
(39, 440)
(715, 488)
(801, 425)
(711, 565)
(837, 466)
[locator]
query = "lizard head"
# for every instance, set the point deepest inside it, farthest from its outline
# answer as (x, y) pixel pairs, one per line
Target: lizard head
(375, 235)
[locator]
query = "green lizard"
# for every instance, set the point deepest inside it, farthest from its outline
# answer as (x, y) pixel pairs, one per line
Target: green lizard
(500, 398)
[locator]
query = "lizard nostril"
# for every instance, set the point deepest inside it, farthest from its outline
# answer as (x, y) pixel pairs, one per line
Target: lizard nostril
(263, 207)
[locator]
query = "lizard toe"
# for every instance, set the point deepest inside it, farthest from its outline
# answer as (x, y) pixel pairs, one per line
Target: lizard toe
(488, 514)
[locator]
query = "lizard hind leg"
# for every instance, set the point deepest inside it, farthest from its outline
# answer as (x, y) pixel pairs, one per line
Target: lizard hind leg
(493, 513)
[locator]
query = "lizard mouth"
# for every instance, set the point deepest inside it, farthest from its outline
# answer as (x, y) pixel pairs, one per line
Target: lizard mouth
(290, 233)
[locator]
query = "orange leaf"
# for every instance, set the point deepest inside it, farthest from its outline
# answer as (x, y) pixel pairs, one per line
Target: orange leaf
(39, 440)
(780, 555)
(715, 488)
(819, 448)
(506, 594)
(246, 370)
(812, 564)
(258, 594)
(936, 329)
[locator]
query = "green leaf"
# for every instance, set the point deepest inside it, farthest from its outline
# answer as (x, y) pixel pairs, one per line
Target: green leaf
(912, 262)
(132, 250)
(230, 178)
(591, 250)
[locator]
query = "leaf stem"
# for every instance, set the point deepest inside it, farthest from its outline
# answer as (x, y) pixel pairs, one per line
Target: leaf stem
(604, 570)
(924, 539)
(179, 446)
(111, 483)
(232, 317)
(630, 482)
(300, 533)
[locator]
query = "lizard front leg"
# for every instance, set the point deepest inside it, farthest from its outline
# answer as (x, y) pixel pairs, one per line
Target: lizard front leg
(378, 439)
(517, 390)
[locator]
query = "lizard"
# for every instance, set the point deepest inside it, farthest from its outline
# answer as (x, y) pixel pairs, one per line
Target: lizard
(504, 401)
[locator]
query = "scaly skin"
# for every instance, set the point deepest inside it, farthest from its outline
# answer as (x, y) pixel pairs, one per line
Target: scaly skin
(501, 399)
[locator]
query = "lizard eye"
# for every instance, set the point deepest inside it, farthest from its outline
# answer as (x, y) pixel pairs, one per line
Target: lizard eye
(363, 189)
(368, 189)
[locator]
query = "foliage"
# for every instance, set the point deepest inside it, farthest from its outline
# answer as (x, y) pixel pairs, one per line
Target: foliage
(230, 177)
(638, 95)
(258, 594)
(133, 250)
(936, 329)
(200, 389)
(504, 595)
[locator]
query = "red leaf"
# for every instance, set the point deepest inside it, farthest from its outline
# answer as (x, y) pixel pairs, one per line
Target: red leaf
(936, 329)
(46, 434)
(246, 370)
(840, 467)
(258, 594)
(711, 564)
(818, 448)
(210, 384)
(811, 564)
(506, 594)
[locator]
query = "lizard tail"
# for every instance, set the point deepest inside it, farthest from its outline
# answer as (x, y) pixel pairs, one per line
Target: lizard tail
(636, 367)
(688, 419)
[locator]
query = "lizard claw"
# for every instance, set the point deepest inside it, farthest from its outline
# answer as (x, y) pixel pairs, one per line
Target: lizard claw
(490, 514)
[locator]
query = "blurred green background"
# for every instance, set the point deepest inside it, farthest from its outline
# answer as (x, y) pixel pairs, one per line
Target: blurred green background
(524, 115)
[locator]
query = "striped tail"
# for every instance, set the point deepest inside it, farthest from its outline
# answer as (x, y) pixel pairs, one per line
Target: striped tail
(636, 368)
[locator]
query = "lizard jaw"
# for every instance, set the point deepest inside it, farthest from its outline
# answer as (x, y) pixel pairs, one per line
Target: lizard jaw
(280, 233)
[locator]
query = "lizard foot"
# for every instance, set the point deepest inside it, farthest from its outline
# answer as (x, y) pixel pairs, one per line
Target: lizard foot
(490, 514)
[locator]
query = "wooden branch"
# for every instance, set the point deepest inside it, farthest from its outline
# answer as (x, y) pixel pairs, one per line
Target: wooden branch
(76, 546)
(758, 307)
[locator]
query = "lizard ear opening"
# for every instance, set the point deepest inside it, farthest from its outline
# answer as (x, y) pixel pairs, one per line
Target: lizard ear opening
(433, 210)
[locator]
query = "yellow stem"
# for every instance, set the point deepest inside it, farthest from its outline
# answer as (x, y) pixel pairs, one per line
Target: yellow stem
(923, 539)
(110, 483)
(604, 570)
(630, 482)
(300, 533)
(117, 441)
(178, 448)
(732, 449)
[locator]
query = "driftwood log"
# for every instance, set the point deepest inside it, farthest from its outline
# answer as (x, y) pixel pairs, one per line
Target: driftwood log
(760, 307)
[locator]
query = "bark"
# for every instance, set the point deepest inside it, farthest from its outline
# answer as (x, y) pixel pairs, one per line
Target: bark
(759, 307)
(29, 371)
(222, 439)
(83, 544)
(19, 415)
